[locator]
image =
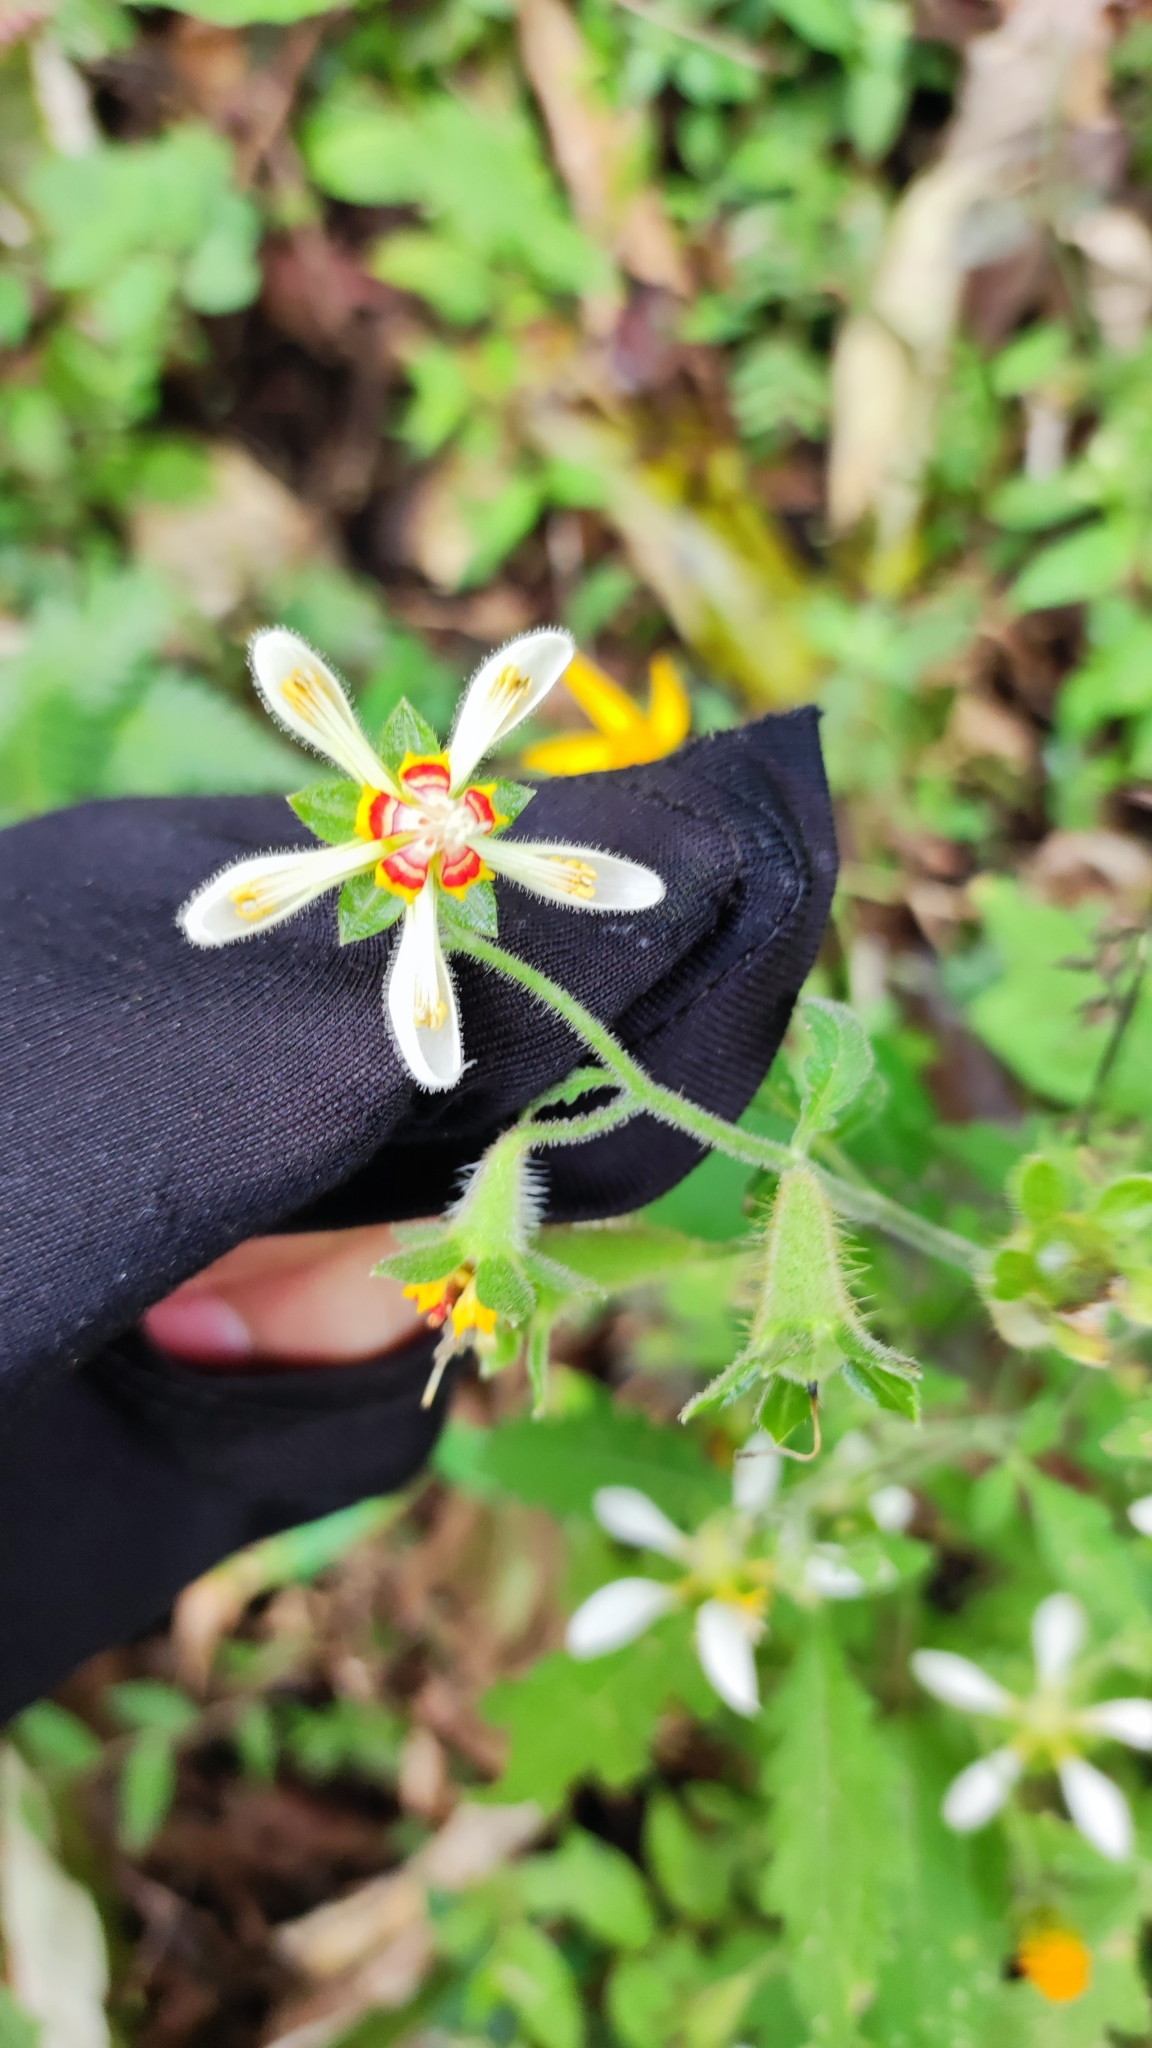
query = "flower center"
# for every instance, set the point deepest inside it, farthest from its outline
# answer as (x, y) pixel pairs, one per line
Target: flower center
(428, 829)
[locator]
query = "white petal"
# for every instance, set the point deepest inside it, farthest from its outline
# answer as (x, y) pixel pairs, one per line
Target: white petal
(892, 1508)
(616, 1615)
(1059, 1626)
(301, 692)
(980, 1791)
(1127, 1721)
(422, 1000)
(756, 1474)
(726, 1658)
(1098, 1808)
(504, 689)
(960, 1683)
(576, 876)
(253, 895)
(828, 1575)
(1140, 1514)
(631, 1517)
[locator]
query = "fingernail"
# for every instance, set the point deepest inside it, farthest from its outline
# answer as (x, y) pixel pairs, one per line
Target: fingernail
(202, 1327)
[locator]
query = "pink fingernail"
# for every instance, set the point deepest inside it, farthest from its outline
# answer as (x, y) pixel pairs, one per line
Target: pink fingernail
(202, 1327)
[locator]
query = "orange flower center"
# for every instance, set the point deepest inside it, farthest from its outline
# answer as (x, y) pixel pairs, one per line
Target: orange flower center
(1057, 1962)
(427, 829)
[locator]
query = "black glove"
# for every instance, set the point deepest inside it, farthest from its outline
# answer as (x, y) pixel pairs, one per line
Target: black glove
(161, 1104)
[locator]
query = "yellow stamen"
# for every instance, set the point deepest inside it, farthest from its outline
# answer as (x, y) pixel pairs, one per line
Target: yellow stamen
(251, 902)
(304, 691)
(576, 877)
(430, 1015)
(469, 1312)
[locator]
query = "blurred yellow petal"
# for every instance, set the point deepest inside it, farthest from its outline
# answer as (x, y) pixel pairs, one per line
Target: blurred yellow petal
(625, 736)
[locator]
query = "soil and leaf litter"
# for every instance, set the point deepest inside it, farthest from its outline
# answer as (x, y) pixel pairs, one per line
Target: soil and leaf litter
(768, 1656)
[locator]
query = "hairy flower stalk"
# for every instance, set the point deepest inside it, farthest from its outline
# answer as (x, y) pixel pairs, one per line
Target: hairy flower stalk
(416, 838)
(806, 1325)
(1048, 1731)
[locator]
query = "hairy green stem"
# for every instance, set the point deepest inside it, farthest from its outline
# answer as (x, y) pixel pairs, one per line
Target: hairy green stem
(858, 1204)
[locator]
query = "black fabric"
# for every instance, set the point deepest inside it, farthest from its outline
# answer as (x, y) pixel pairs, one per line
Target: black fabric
(160, 1104)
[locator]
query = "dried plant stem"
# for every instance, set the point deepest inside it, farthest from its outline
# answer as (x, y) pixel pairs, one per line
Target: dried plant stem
(861, 1205)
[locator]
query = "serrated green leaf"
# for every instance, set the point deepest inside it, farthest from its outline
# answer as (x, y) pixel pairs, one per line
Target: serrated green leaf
(940, 1983)
(500, 1286)
(329, 810)
(365, 910)
(510, 798)
(567, 1721)
(693, 1870)
(895, 1391)
(405, 732)
(837, 1066)
(475, 911)
(830, 1877)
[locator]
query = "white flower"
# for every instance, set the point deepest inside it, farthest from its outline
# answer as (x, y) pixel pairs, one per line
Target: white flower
(1048, 1731)
(421, 832)
(1140, 1514)
(728, 1589)
(892, 1508)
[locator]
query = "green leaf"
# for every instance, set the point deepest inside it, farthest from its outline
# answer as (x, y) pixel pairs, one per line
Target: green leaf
(529, 1973)
(18, 2029)
(568, 1721)
(588, 1881)
(329, 810)
(500, 1286)
(830, 1878)
(405, 732)
(475, 911)
(837, 1066)
(1083, 565)
(147, 1703)
(693, 1870)
(870, 1370)
(1131, 1438)
(560, 1464)
(241, 13)
(1127, 1204)
(56, 1740)
(1077, 1540)
(510, 798)
(619, 1255)
(365, 909)
(147, 1788)
(826, 24)
(938, 1987)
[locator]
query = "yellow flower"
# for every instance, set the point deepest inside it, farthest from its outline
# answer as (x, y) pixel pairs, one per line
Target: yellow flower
(454, 1295)
(625, 735)
(1057, 1962)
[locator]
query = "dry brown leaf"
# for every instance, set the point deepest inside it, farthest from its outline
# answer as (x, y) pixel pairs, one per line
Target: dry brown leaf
(981, 729)
(1070, 866)
(598, 149)
(1118, 246)
(224, 547)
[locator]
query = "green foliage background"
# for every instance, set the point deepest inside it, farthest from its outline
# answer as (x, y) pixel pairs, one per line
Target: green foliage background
(318, 319)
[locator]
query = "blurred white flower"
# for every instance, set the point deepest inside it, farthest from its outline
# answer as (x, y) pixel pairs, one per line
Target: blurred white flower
(1047, 1731)
(1140, 1514)
(728, 1589)
(892, 1508)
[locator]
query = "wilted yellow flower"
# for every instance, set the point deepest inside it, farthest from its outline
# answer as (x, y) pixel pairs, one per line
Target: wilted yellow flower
(625, 735)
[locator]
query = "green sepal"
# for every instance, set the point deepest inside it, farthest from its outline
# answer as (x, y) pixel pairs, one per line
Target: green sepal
(405, 732)
(510, 798)
(786, 1406)
(419, 1264)
(891, 1390)
(556, 1280)
(500, 1286)
(475, 911)
(329, 810)
(501, 1350)
(1014, 1274)
(365, 910)
(538, 1357)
